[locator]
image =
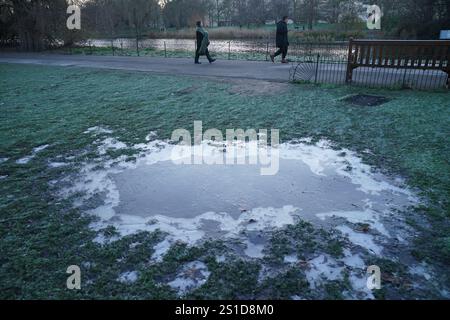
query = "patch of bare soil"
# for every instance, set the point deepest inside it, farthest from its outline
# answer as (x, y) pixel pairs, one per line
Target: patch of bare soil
(365, 100)
(256, 87)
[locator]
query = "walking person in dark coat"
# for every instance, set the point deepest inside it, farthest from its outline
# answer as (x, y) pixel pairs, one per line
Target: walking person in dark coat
(202, 44)
(282, 40)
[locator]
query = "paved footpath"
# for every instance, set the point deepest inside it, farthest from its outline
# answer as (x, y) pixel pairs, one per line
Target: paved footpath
(255, 70)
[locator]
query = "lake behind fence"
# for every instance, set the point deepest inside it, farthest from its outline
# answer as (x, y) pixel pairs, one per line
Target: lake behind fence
(257, 50)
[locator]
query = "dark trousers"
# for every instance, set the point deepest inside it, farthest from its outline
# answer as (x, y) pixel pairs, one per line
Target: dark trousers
(283, 51)
(208, 56)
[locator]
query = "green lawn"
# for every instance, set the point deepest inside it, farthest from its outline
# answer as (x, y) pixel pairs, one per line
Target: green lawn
(41, 236)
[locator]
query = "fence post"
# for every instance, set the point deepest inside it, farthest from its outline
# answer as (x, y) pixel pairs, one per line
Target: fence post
(137, 45)
(317, 68)
(165, 50)
(349, 73)
(90, 47)
(229, 50)
(112, 46)
(404, 80)
(267, 52)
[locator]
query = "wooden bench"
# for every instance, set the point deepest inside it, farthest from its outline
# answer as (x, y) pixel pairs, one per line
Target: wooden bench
(399, 54)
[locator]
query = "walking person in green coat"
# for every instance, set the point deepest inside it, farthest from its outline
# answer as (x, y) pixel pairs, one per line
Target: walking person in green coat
(202, 44)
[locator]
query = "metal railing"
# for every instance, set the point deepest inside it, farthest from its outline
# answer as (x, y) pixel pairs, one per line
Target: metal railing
(318, 69)
(420, 65)
(253, 50)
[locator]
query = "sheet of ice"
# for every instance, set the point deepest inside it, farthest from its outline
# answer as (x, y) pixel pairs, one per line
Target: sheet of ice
(315, 182)
(33, 154)
(360, 289)
(366, 216)
(192, 230)
(321, 157)
(353, 260)
(322, 268)
(357, 276)
(364, 240)
(254, 250)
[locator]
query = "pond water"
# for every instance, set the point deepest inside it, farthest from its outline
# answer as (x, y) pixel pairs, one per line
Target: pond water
(261, 46)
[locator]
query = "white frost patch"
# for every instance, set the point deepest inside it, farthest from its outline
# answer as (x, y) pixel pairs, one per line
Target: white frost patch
(322, 268)
(360, 289)
(254, 250)
(128, 277)
(3, 177)
(192, 276)
(400, 239)
(353, 260)
(57, 164)
(357, 276)
(151, 136)
(221, 259)
(3, 160)
(98, 130)
(190, 230)
(321, 157)
(101, 239)
(269, 218)
(361, 239)
(292, 259)
(367, 216)
(33, 154)
(420, 270)
(160, 250)
(110, 144)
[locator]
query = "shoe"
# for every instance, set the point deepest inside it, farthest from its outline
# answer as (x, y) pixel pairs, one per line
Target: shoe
(213, 60)
(284, 61)
(198, 63)
(272, 57)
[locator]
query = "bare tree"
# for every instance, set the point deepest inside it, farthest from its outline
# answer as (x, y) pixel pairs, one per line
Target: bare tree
(37, 23)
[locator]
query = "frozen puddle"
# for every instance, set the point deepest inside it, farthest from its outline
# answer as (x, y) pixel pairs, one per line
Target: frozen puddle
(330, 188)
(188, 191)
(191, 202)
